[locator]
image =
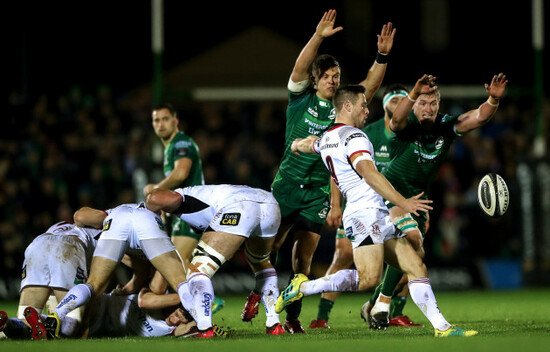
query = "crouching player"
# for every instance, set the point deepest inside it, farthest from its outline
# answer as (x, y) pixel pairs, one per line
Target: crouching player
(227, 216)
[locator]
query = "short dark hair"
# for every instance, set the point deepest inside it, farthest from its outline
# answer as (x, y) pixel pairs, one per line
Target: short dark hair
(166, 106)
(321, 64)
(348, 92)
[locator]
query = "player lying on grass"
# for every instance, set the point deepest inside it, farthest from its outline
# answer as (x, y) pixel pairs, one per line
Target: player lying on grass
(227, 216)
(347, 154)
(145, 314)
(138, 232)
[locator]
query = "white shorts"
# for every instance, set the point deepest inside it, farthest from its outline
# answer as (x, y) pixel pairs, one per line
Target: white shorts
(248, 218)
(54, 261)
(128, 230)
(369, 226)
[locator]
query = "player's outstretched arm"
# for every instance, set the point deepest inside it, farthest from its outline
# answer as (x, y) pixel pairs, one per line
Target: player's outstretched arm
(377, 71)
(304, 145)
(324, 29)
(476, 118)
(383, 187)
(424, 85)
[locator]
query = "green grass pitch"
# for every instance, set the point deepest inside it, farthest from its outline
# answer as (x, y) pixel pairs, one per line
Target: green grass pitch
(507, 321)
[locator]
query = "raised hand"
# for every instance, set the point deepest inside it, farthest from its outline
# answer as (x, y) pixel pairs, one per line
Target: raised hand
(325, 28)
(385, 38)
(425, 85)
(497, 86)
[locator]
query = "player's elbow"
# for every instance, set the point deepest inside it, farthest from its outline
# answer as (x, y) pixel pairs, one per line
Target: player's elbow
(153, 201)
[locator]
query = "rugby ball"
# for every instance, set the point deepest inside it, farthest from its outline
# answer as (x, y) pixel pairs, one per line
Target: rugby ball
(492, 195)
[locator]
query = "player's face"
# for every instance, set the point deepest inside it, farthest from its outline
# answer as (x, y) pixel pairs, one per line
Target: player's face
(392, 104)
(164, 123)
(360, 112)
(426, 109)
(328, 82)
(176, 318)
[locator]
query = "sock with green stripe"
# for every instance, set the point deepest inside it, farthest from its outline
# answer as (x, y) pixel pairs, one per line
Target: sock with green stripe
(397, 305)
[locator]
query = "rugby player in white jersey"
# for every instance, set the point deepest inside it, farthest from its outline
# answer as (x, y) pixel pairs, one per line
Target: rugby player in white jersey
(136, 231)
(348, 155)
(227, 216)
(69, 251)
(145, 314)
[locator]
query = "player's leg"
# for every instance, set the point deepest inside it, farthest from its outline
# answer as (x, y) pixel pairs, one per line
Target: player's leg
(212, 251)
(342, 259)
(257, 252)
(33, 296)
(419, 285)
(14, 328)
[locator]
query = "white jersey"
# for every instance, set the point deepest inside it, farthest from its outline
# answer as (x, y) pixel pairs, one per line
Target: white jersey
(122, 316)
(336, 147)
(87, 236)
(239, 210)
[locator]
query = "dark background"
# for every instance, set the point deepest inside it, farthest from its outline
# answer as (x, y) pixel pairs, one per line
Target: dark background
(52, 45)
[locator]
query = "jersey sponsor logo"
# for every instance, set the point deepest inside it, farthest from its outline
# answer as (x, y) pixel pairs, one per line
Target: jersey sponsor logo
(375, 229)
(230, 219)
(352, 136)
(383, 148)
(107, 225)
(312, 112)
(323, 213)
(329, 145)
(332, 114)
(141, 316)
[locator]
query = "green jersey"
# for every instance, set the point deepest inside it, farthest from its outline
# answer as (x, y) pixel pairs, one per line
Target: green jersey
(380, 139)
(418, 154)
(183, 146)
(306, 114)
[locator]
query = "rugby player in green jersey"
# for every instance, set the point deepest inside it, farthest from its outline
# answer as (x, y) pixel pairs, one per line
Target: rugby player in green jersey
(302, 184)
(182, 168)
(420, 141)
(378, 133)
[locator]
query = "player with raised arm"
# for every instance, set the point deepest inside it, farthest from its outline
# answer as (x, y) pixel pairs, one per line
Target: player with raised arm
(347, 153)
(302, 185)
(420, 142)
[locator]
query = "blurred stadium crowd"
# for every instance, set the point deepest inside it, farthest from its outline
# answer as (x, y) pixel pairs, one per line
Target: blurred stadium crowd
(82, 149)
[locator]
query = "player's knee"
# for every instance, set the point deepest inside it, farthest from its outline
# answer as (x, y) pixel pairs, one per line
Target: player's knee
(206, 260)
(257, 260)
(415, 239)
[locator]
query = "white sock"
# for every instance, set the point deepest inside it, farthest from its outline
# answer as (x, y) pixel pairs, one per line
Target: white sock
(380, 306)
(423, 296)
(267, 284)
(340, 281)
(200, 287)
(77, 296)
(186, 298)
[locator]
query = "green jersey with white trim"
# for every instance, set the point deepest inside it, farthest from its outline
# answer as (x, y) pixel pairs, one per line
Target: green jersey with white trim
(380, 139)
(306, 114)
(183, 146)
(417, 154)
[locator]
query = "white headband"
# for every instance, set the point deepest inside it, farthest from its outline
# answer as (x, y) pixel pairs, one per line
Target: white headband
(390, 95)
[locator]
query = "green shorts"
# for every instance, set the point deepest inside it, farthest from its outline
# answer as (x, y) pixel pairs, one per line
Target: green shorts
(309, 201)
(179, 227)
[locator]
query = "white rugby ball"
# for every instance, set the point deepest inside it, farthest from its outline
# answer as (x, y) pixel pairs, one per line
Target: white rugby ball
(492, 195)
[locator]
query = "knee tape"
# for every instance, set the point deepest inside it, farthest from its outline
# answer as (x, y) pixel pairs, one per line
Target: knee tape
(405, 222)
(254, 258)
(206, 259)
